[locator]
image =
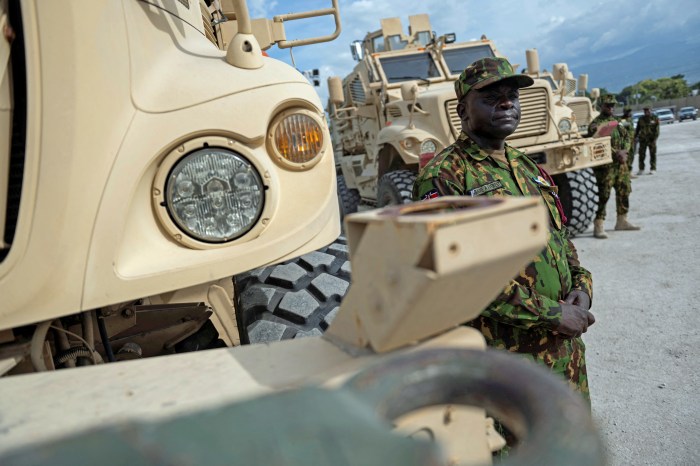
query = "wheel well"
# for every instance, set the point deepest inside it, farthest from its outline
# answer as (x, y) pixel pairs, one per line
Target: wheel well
(390, 160)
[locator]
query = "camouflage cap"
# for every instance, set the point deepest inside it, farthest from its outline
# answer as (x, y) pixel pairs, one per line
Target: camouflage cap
(609, 99)
(487, 71)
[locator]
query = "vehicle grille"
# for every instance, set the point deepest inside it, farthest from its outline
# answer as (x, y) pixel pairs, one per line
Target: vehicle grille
(394, 112)
(598, 151)
(208, 28)
(534, 112)
(582, 112)
(357, 92)
(533, 120)
(455, 122)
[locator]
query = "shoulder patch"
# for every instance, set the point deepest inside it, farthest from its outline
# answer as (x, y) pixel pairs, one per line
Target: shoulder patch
(432, 194)
(487, 188)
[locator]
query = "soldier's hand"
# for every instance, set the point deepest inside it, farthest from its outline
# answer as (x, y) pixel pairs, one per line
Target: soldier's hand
(580, 299)
(575, 317)
(621, 156)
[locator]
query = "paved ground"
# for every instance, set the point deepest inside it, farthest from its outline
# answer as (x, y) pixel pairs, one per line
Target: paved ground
(643, 350)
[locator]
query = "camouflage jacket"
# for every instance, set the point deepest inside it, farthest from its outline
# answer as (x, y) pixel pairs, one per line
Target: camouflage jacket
(647, 128)
(629, 127)
(619, 139)
(523, 316)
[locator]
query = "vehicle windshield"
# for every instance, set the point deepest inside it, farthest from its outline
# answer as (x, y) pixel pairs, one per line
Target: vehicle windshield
(459, 58)
(401, 68)
(687, 109)
(663, 112)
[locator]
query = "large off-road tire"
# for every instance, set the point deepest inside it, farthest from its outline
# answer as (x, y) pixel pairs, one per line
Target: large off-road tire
(348, 199)
(294, 299)
(578, 192)
(395, 188)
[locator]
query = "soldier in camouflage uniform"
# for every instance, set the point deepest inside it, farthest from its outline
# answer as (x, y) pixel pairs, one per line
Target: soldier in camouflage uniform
(626, 121)
(615, 174)
(543, 311)
(647, 133)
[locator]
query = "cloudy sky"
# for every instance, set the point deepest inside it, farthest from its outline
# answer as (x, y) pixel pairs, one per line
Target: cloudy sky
(617, 42)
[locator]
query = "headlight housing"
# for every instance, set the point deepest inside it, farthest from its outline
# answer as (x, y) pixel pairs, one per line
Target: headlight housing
(428, 149)
(564, 125)
(211, 195)
(409, 144)
(295, 139)
(429, 146)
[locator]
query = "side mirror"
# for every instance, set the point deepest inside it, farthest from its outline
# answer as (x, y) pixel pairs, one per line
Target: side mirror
(559, 71)
(409, 90)
(356, 49)
(335, 91)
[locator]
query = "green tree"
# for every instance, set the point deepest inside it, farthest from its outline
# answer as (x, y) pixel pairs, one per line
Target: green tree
(650, 90)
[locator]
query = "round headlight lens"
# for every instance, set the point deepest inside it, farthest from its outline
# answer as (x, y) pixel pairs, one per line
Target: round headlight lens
(428, 147)
(214, 195)
(298, 138)
(564, 125)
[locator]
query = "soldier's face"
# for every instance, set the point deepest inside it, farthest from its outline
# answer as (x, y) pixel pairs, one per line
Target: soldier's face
(647, 112)
(493, 111)
(607, 109)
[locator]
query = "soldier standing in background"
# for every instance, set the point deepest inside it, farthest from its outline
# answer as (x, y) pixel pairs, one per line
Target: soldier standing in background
(647, 133)
(626, 121)
(615, 174)
(543, 311)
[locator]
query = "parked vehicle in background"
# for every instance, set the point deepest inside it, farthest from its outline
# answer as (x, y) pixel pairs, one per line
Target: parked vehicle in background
(688, 113)
(665, 115)
(635, 117)
(398, 108)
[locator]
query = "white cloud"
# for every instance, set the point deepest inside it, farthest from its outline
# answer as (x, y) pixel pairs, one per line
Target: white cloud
(563, 31)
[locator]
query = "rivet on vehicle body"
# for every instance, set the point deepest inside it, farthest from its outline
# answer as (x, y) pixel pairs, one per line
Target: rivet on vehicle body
(230, 142)
(266, 174)
(265, 221)
(178, 237)
(181, 149)
(128, 312)
(156, 192)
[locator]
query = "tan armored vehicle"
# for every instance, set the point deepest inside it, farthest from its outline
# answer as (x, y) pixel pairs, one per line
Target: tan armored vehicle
(569, 90)
(152, 152)
(398, 108)
(136, 181)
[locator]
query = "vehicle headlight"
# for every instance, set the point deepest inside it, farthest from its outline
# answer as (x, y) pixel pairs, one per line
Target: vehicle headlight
(409, 144)
(564, 125)
(213, 195)
(295, 139)
(429, 146)
(428, 149)
(206, 194)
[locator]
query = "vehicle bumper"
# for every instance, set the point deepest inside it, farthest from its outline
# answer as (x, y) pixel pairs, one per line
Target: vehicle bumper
(564, 156)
